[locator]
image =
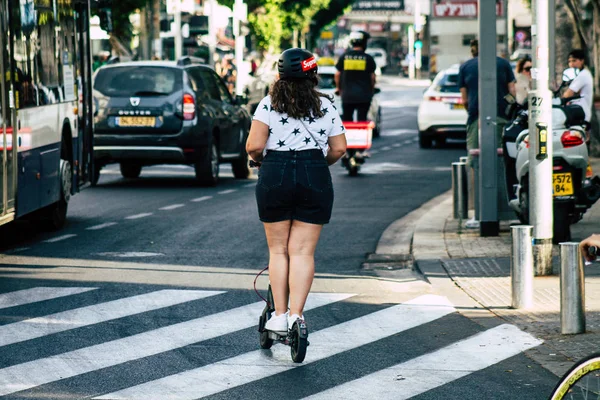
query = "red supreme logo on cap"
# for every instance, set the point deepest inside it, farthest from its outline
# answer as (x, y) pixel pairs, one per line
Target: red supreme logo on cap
(309, 64)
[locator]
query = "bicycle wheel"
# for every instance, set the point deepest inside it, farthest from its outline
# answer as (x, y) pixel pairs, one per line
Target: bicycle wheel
(582, 381)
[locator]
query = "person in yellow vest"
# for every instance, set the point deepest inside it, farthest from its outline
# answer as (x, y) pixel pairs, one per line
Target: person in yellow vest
(355, 78)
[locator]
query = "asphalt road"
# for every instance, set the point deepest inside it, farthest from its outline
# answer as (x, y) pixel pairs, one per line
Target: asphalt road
(148, 293)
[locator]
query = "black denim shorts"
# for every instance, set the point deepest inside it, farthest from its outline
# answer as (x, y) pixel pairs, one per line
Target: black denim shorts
(294, 185)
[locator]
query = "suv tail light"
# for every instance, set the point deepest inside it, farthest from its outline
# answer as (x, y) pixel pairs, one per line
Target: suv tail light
(189, 107)
(571, 139)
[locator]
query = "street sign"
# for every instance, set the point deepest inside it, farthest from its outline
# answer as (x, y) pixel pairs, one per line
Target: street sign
(378, 5)
(326, 35)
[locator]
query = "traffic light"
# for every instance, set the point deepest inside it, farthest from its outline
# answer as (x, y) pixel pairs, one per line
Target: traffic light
(418, 44)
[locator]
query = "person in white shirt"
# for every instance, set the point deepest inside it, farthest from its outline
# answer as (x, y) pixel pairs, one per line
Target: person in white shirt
(296, 134)
(582, 85)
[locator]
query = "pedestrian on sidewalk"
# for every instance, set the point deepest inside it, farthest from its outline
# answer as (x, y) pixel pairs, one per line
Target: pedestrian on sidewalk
(582, 85)
(523, 84)
(468, 82)
(296, 134)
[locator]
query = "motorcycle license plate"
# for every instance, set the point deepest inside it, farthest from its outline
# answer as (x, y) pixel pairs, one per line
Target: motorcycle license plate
(562, 184)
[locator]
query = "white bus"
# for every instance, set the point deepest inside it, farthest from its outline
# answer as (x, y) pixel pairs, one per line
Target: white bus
(45, 107)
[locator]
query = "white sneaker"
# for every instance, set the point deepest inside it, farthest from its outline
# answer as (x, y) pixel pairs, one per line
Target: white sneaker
(291, 319)
(277, 323)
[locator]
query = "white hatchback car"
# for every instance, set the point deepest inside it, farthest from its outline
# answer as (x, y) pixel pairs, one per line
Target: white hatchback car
(380, 57)
(442, 114)
(327, 86)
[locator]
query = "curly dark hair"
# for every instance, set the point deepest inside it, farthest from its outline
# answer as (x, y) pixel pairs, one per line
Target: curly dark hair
(297, 98)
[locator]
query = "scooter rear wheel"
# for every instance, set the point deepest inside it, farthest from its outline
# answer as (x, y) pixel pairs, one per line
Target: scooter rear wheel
(298, 341)
(353, 171)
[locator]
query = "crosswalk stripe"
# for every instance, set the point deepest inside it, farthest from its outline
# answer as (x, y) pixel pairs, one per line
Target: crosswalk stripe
(438, 368)
(33, 295)
(94, 314)
(255, 365)
(50, 369)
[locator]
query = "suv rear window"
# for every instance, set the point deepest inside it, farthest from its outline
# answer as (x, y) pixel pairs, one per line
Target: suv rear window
(448, 84)
(127, 81)
(326, 81)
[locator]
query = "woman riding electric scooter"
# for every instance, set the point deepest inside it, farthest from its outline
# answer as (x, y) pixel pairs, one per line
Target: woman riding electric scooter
(295, 135)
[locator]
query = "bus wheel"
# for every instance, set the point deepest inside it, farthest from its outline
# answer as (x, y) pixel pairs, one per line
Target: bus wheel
(55, 215)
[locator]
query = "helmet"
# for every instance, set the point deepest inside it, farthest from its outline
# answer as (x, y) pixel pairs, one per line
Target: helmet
(359, 38)
(297, 64)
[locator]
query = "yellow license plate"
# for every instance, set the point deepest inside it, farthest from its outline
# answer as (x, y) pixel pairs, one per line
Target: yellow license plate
(562, 184)
(136, 121)
(457, 106)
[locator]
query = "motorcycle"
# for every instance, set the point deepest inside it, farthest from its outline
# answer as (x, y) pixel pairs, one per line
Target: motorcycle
(574, 189)
(359, 136)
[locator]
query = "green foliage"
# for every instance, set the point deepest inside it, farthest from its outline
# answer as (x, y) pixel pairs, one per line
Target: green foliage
(274, 21)
(121, 10)
(327, 15)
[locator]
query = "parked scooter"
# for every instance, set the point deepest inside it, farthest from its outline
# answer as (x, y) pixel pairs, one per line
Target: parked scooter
(574, 189)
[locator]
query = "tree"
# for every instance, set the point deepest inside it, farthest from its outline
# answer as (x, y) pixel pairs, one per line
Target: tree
(121, 26)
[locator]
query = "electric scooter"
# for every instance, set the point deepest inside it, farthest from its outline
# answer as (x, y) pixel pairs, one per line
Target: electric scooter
(296, 337)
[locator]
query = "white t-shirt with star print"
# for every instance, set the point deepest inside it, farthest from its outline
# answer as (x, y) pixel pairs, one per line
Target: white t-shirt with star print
(288, 134)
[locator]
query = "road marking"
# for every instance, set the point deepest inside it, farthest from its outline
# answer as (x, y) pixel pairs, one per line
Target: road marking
(396, 145)
(255, 365)
(129, 254)
(33, 295)
(138, 216)
(63, 321)
(228, 191)
(374, 151)
(59, 238)
(203, 198)
(250, 185)
(172, 207)
(101, 226)
(50, 369)
(407, 141)
(438, 368)
(386, 148)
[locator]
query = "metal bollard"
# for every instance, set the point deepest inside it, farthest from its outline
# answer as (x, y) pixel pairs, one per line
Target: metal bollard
(572, 294)
(521, 266)
(460, 190)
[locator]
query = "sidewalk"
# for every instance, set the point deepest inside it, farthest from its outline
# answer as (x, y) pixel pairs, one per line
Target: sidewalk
(480, 267)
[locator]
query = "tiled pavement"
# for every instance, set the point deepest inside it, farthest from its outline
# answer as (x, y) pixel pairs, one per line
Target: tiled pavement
(481, 268)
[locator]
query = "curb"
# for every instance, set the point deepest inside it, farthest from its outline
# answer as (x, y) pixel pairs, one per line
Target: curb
(429, 250)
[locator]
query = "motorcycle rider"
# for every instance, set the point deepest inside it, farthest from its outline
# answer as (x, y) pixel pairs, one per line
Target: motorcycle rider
(582, 85)
(355, 78)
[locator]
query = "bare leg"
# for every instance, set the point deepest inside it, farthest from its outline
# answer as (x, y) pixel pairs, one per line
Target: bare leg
(302, 244)
(278, 234)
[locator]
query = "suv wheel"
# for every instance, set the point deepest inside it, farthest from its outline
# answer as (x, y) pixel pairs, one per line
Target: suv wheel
(207, 168)
(131, 171)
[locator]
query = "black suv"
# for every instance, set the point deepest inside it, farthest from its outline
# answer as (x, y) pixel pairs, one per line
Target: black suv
(154, 112)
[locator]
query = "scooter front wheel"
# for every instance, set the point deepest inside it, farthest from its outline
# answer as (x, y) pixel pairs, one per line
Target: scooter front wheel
(298, 341)
(353, 171)
(265, 341)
